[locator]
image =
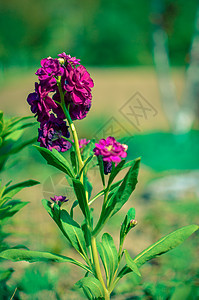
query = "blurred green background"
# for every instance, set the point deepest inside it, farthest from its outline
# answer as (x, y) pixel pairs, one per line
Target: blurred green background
(101, 33)
(116, 41)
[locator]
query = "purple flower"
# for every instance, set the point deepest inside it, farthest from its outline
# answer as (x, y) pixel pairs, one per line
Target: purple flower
(59, 199)
(41, 103)
(107, 167)
(51, 134)
(111, 151)
(50, 68)
(72, 60)
(78, 83)
(83, 142)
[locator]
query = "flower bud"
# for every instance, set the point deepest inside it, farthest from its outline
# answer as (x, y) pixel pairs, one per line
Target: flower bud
(61, 60)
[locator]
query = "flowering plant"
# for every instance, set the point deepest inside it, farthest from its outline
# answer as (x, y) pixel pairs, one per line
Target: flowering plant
(63, 95)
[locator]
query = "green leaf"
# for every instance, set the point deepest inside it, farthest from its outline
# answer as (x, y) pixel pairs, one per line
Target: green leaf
(101, 167)
(34, 256)
(110, 255)
(115, 171)
(122, 194)
(53, 210)
(131, 263)
(14, 189)
(85, 164)
(55, 159)
(125, 227)
(73, 160)
(104, 259)
(162, 246)
(74, 232)
(5, 274)
(94, 286)
(165, 244)
(88, 186)
(81, 197)
(21, 146)
(75, 203)
(11, 209)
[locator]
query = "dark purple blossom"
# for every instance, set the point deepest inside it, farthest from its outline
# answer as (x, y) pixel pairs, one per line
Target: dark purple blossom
(41, 103)
(59, 199)
(111, 151)
(51, 134)
(50, 69)
(72, 60)
(107, 167)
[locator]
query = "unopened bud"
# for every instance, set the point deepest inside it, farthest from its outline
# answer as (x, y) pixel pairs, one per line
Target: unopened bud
(125, 147)
(61, 60)
(133, 223)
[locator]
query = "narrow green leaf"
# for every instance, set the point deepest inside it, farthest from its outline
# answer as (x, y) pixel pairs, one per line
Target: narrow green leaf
(21, 146)
(165, 244)
(131, 263)
(11, 209)
(125, 227)
(104, 259)
(162, 246)
(81, 197)
(101, 193)
(74, 232)
(5, 274)
(14, 189)
(55, 159)
(75, 203)
(85, 164)
(115, 171)
(101, 168)
(34, 256)
(73, 160)
(110, 254)
(123, 193)
(88, 186)
(94, 286)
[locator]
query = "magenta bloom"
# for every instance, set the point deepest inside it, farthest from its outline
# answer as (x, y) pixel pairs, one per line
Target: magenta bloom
(51, 132)
(41, 103)
(83, 142)
(78, 83)
(50, 68)
(71, 60)
(59, 199)
(111, 151)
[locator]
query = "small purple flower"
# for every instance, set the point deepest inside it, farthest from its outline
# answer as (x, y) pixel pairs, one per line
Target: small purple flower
(111, 151)
(51, 134)
(41, 103)
(59, 200)
(71, 60)
(83, 142)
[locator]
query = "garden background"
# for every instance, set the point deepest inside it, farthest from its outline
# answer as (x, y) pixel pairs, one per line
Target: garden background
(116, 41)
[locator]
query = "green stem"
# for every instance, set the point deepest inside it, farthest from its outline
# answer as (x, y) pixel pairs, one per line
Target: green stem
(72, 127)
(97, 267)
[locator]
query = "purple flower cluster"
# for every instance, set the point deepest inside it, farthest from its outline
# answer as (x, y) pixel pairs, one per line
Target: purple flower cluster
(111, 152)
(76, 85)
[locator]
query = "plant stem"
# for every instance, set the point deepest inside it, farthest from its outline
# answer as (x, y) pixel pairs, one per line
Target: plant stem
(97, 267)
(72, 127)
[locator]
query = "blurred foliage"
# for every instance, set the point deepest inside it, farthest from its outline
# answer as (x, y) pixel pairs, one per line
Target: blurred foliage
(166, 145)
(100, 32)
